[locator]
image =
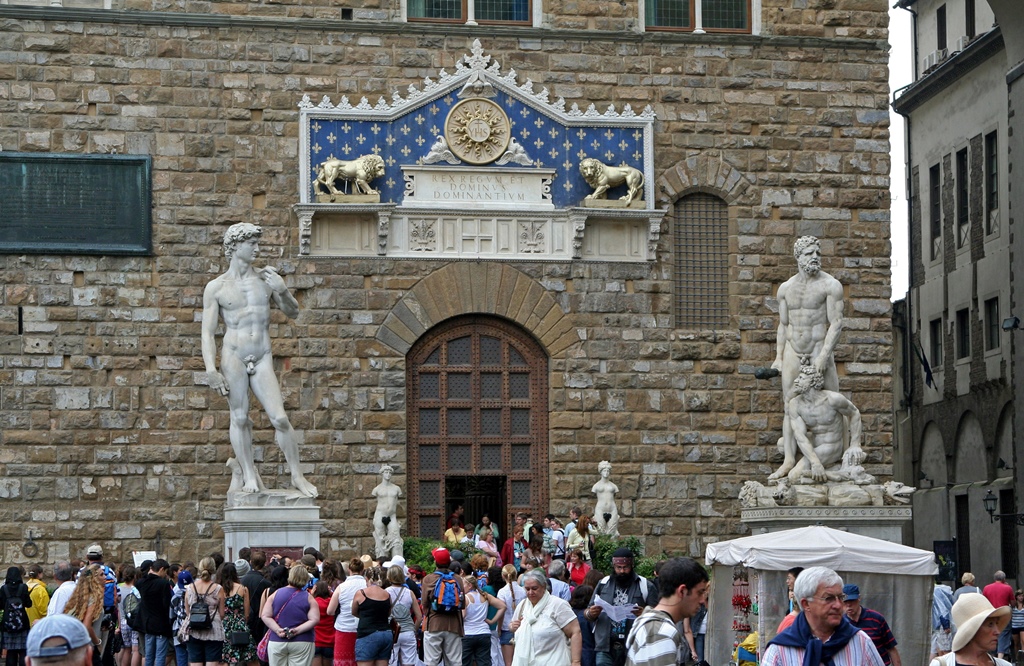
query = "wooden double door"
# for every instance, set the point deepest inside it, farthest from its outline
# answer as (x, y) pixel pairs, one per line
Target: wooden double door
(478, 424)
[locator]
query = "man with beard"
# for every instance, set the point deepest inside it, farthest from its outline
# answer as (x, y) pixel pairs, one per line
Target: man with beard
(821, 633)
(810, 320)
(622, 588)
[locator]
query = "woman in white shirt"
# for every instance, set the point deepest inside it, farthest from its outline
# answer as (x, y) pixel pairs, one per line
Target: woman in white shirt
(476, 643)
(512, 595)
(406, 610)
(346, 622)
(546, 628)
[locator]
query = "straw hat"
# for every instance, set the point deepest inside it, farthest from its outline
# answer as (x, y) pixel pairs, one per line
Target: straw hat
(969, 612)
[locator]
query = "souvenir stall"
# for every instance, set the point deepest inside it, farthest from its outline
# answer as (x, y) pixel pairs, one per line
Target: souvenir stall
(748, 590)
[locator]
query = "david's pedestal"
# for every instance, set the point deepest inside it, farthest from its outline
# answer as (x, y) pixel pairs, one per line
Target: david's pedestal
(880, 522)
(271, 520)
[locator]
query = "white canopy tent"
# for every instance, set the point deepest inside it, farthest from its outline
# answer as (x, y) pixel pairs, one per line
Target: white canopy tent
(895, 580)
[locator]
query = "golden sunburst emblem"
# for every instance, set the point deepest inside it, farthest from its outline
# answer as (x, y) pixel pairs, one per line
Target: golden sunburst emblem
(477, 130)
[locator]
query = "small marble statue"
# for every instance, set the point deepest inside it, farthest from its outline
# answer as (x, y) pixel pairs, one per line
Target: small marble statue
(242, 296)
(601, 177)
(810, 321)
(386, 532)
(606, 515)
(359, 171)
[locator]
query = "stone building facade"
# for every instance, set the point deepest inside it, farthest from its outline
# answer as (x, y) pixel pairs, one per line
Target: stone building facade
(958, 415)
(775, 129)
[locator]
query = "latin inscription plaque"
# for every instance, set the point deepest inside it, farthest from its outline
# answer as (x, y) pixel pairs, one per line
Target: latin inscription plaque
(75, 204)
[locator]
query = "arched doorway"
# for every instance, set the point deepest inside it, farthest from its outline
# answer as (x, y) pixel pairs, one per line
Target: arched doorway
(477, 408)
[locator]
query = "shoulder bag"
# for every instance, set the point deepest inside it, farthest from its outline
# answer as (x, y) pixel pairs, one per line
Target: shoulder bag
(261, 649)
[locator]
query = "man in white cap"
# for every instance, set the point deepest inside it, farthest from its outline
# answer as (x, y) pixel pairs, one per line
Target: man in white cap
(58, 640)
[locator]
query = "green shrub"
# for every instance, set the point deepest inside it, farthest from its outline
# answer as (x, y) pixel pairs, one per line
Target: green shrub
(605, 545)
(417, 551)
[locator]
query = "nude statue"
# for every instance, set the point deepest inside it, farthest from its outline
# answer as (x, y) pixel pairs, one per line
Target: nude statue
(817, 420)
(810, 321)
(242, 297)
(386, 535)
(606, 515)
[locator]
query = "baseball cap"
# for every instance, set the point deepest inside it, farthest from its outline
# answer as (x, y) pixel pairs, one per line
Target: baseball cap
(458, 555)
(441, 557)
(95, 549)
(852, 592)
(56, 626)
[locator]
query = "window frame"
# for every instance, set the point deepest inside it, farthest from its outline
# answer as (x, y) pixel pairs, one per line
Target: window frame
(991, 179)
(708, 234)
(935, 342)
(970, 19)
(963, 334)
(696, 20)
(963, 192)
(941, 40)
(468, 16)
(993, 325)
(935, 211)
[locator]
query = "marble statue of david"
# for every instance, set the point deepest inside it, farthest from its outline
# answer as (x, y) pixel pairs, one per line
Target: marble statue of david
(242, 296)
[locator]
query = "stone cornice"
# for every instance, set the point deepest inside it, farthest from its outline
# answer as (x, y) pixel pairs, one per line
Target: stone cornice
(953, 69)
(213, 21)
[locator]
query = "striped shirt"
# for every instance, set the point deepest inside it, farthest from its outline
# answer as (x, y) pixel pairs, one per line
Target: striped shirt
(1016, 617)
(654, 640)
(874, 625)
(860, 651)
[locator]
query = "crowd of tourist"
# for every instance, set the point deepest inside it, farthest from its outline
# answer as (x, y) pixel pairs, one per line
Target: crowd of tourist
(531, 602)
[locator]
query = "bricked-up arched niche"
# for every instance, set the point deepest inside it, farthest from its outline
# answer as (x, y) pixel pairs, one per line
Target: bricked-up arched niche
(464, 287)
(477, 407)
(1004, 444)
(971, 460)
(933, 457)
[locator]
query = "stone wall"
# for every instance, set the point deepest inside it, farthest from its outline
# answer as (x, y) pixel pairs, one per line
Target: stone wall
(108, 431)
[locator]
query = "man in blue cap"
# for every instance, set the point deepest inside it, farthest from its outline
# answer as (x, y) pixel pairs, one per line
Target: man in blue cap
(873, 624)
(58, 640)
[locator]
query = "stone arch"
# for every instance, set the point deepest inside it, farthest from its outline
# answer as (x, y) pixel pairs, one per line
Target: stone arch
(1003, 449)
(970, 459)
(704, 172)
(932, 462)
(478, 287)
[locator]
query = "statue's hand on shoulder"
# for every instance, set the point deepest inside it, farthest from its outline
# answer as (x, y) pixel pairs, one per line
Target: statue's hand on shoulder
(217, 382)
(273, 280)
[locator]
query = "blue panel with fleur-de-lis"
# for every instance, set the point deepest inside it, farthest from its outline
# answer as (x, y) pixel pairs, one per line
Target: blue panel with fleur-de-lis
(407, 138)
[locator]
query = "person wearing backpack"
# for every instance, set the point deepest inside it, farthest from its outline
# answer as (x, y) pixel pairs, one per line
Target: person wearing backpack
(128, 615)
(204, 626)
(14, 599)
(622, 588)
(655, 639)
(444, 597)
(154, 612)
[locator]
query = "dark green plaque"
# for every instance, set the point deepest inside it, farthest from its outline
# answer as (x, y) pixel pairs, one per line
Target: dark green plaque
(75, 204)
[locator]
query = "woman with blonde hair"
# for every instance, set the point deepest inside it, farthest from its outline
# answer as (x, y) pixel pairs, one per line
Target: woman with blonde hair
(406, 610)
(967, 580)
(205, 645)
(86, 602)
(511, 595)
(346, 623)
(291, 616)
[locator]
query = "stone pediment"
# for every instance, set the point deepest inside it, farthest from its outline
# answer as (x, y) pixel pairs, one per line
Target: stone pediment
(473, 164)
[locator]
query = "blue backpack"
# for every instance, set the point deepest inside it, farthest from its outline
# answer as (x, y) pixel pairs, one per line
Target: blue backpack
(448, 595)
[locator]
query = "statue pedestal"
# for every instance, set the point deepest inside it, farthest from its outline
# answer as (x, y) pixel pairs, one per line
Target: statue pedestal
(270, 520)
(880, 522)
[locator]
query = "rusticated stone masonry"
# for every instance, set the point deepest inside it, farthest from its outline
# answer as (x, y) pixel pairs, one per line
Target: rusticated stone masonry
(107, 431)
